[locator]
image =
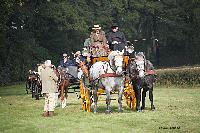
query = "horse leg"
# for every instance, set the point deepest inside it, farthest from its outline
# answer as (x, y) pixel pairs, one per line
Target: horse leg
(108, 110)
(66, 84)
(120, 92)
(66, 91)
(143, 98)
(61, 91)
(27, 86)
(151, 99)
(138, 99)
(95, 99)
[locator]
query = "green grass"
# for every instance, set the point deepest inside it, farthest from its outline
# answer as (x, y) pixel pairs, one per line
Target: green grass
(175, 107)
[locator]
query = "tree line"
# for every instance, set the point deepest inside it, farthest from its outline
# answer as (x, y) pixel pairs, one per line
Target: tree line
(32, 31)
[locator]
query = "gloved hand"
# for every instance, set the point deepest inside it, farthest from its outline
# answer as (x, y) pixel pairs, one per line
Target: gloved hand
(115, 42)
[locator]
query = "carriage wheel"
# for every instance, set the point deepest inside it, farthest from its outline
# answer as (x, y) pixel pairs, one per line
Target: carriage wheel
(88, 101)
(128, 102)
(129, 94)
(82, 96)
(133, 99)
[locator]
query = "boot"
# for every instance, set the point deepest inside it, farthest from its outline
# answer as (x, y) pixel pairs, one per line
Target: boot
(51, 113)
(45, 114)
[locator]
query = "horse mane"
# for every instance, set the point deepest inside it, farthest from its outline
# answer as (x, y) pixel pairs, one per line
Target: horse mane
(140, 56)
(113, 54)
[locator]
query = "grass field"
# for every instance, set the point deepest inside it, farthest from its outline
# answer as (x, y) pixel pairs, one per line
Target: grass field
(177, 110)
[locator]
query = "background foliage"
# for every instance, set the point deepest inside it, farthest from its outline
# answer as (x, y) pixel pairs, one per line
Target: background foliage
(181, 77)
(32, 31)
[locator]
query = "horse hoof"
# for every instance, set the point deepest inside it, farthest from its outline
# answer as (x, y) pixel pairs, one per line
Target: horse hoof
(95, 112)
(108, 112)
(139, 111)
(45, 114)
(120, 111)
(153, 108)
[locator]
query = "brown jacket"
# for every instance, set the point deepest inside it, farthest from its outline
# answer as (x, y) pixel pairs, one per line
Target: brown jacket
(49, 80)
(98, 39)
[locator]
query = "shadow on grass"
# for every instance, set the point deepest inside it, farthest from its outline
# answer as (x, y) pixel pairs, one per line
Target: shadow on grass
(69, 104)
(114, 109)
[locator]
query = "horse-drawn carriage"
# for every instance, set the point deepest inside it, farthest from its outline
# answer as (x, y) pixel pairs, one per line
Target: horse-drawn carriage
(123, 73)
(106, 69)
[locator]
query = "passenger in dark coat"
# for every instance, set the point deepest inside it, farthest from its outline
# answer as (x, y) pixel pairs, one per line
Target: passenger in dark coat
(65, 62)
(116, 39)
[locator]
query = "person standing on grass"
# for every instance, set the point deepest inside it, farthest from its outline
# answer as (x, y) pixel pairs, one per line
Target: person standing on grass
(49, 88)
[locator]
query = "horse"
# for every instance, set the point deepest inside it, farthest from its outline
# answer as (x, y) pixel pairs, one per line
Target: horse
(66, 77)
(33, 83)
(108, 75)
(142, 77)
(29, 80)
(147, 85)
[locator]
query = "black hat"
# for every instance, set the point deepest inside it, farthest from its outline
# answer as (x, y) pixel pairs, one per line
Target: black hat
(114, 25)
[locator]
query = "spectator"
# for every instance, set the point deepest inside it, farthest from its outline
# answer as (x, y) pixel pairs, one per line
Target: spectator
(49, 88)
(65, 62)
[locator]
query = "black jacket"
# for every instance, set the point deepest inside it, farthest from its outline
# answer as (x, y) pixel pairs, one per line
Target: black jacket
(116, 36)
(119, 37)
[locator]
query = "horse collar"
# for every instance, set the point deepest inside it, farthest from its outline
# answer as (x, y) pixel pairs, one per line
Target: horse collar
(113, 68)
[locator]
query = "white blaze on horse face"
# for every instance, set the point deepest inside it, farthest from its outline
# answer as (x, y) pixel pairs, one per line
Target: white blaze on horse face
(140, 68)
(118, 63)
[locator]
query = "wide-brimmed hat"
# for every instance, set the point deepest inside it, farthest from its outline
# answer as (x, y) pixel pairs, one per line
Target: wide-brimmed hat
(47, 63)
(96, 27)
(64, 55)
(114, 25)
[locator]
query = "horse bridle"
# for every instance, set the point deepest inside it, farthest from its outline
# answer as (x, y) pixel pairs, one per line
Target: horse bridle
(131, 60)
